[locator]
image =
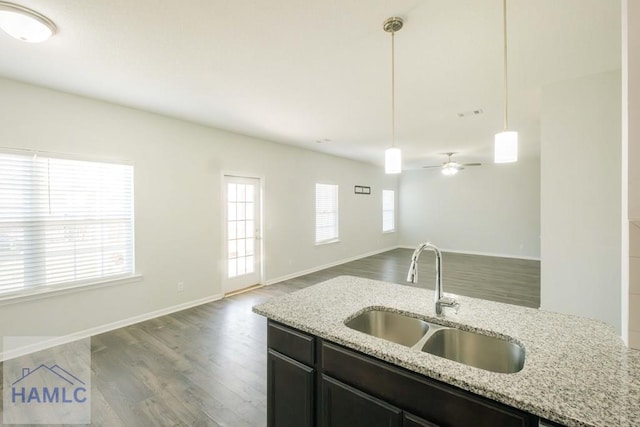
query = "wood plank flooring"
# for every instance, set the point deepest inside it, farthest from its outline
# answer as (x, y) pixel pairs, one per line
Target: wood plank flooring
(206, 366)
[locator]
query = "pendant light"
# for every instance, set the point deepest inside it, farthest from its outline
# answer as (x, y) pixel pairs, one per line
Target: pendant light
(506, 142)
(25, 24)
(393, 155)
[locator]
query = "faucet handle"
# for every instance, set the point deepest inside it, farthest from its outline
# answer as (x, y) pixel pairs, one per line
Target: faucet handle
(449, 302)
(456, 305)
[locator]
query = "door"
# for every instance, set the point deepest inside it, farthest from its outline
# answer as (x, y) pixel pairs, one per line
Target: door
(242, 233)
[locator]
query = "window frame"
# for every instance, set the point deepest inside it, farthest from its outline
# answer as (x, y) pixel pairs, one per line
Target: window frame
(334, 237)
(391, 211)
(27, 183)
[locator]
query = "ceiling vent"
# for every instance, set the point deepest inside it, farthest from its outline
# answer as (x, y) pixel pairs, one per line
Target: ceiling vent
(470, 113)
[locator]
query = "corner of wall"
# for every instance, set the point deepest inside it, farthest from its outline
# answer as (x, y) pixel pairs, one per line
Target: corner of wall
(634, 285)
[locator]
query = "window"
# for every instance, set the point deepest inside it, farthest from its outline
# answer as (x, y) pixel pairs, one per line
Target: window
(326, 213)
(388, 211)
(63, 221)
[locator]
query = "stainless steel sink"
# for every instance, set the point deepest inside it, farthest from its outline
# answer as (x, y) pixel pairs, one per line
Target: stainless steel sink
(482, 351)
(470, 348)
(390, 326)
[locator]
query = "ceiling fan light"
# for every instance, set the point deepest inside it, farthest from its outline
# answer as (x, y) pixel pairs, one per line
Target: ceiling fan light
(506, 147)
(25, 24)
(449, 170)
(392, 160)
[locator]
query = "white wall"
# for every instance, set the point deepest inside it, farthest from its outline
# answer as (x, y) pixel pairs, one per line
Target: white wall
(178, 178)
(631, 175)
(491, 209)
(633, 99)
(580, 197)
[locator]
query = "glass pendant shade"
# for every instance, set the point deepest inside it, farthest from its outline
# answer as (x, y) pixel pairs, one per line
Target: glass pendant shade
(506, 142)
(506, 147)
(24, 24)
(393, 155)
(392, 160)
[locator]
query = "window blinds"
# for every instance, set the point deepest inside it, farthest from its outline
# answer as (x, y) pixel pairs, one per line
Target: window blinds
(326, 213)
(63, 221)
(388, 210)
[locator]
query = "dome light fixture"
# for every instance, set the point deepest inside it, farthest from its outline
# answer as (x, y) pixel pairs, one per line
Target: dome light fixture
(393, 155)
(506, 142)
(25, 24)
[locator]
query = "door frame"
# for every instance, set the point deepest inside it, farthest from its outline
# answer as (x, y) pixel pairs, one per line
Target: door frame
(223, 264)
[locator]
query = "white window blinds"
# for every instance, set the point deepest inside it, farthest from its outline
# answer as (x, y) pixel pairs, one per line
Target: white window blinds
(326, 213)
(388, 210)
(63, 221)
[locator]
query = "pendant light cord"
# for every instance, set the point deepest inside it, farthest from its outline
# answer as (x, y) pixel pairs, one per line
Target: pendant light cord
(506, 89)
(393, 90)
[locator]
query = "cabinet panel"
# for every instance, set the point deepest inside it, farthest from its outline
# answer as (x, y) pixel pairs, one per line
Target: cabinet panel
(431, 400)
(409, 420)
(290, 391)
(547, 423)
(344, 406)
(291, 342)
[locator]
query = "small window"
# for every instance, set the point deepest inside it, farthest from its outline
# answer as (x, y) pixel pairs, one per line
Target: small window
(326, 213)
(388, 211)
(63, 221)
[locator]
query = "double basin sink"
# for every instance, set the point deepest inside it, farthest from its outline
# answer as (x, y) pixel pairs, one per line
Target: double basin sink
(470, 348)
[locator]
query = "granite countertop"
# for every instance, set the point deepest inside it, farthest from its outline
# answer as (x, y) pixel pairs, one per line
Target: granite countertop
(577, 371)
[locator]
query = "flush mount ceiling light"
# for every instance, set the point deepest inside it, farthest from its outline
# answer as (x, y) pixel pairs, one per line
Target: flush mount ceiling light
(25, 24)
(506, 142)
(393, 155)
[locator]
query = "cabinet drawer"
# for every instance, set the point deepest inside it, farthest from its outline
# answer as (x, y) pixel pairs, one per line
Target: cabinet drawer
(344, 406)
(291, 342)
(441, 404)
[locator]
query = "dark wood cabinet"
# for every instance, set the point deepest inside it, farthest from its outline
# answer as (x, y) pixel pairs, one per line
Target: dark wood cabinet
(292, 343)
(291, 391)
(344, 406)
(313, 382)
(410, 420)
(291, 377)
(424, 397)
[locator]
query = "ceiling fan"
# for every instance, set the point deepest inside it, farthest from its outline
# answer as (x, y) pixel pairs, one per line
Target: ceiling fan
(450, 167)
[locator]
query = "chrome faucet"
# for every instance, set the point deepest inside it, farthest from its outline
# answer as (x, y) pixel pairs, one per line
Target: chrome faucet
(412, 276)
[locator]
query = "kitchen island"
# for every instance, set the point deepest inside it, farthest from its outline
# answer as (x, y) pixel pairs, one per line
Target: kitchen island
(577, 372)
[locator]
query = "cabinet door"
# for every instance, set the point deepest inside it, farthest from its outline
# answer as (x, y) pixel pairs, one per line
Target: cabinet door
(409, 420)
(344, 406)
(290, 391)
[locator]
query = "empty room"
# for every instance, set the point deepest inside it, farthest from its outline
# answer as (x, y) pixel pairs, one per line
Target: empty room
(290, 214)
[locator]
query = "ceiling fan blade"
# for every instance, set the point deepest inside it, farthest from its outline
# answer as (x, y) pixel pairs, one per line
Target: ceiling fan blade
(433, 166)
(471, 164)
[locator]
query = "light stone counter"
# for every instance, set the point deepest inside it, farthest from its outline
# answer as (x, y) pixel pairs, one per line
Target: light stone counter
(577, 371)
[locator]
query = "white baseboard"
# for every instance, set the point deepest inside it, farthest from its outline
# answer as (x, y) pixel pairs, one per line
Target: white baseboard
(332, 264)
(54, 341)
(455, 251)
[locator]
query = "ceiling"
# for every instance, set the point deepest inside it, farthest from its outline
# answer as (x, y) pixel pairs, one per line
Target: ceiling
(298, 72)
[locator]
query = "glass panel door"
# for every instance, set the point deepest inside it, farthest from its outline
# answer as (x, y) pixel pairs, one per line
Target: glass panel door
(242, 230)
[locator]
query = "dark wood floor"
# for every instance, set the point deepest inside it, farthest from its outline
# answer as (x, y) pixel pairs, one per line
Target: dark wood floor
(206, 366)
